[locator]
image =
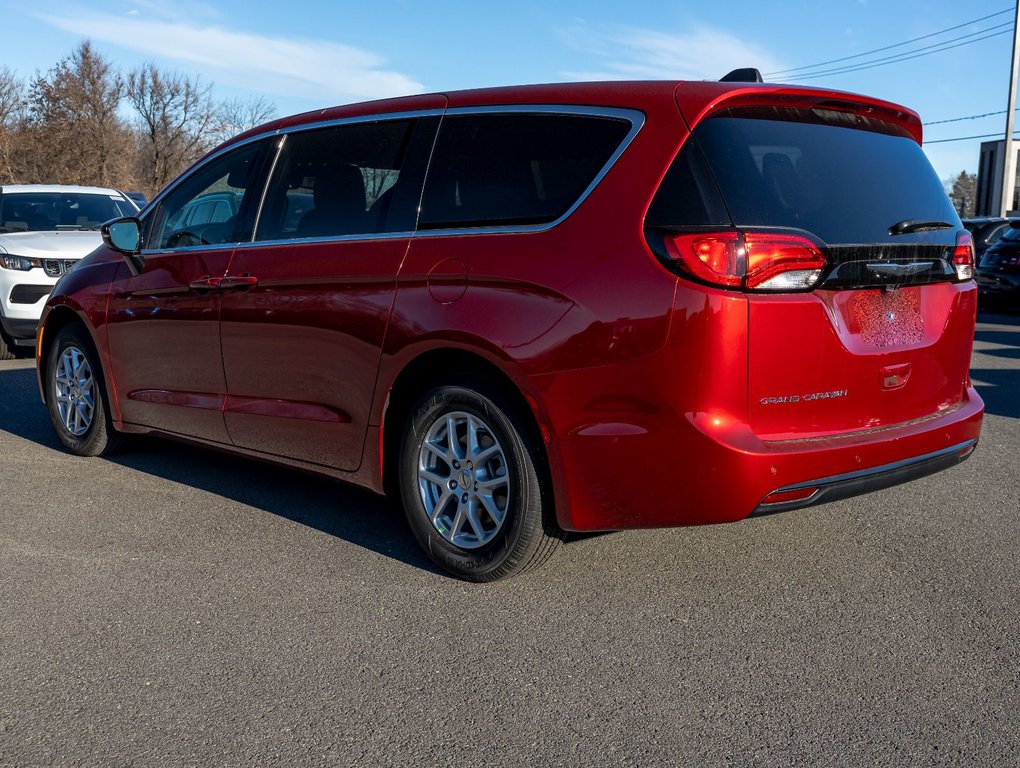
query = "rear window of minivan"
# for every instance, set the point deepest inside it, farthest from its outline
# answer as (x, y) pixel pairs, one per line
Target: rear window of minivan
(844, 178)
(502, 169)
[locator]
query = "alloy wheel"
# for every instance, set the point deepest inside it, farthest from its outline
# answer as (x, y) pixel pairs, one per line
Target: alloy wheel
(74, 389)
(463, 479)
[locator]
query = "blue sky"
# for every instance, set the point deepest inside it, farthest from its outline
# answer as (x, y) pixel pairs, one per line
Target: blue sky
(314, 53)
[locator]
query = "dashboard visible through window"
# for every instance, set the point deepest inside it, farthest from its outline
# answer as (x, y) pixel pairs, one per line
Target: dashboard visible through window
(204, 209)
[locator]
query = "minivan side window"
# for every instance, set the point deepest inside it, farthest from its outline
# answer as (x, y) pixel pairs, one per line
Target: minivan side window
(336, 181)
(502, 169)
(203, 209)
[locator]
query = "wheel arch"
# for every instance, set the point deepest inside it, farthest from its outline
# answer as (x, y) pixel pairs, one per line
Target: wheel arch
(56, 319)
(431, 368)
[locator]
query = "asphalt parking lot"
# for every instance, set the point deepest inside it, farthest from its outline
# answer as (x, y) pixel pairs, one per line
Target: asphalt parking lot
(174, 606)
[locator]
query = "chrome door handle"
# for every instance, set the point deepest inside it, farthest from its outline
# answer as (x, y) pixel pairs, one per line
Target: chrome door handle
(240, 282)
(205, 283)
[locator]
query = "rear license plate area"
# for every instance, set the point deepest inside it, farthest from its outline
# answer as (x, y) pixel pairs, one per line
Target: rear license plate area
(884, 318)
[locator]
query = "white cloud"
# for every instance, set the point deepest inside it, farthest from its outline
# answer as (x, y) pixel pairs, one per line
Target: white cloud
(316, 69)
(703, 53)
(171, 10)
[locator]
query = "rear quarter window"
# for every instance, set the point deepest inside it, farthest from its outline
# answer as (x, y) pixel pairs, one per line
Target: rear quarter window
(507, 169)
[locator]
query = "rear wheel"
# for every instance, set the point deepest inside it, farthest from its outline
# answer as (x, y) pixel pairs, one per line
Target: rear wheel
(76, 395)
(472, 485)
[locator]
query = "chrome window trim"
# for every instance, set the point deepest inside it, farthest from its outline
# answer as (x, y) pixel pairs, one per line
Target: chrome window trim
(265, 187)
(635, 117)
(189, 249)
(326, 239)
(381, 117)
(288, 241)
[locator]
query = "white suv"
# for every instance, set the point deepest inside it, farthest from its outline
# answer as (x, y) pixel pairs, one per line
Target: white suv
(44, 231)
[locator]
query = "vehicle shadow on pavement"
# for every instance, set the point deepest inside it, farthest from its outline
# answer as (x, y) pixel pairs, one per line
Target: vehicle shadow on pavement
(999, 387)
(329, 506)
(340, 510)
(22, 412)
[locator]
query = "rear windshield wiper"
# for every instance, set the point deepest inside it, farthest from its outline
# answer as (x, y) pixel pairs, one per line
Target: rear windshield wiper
(907, 226)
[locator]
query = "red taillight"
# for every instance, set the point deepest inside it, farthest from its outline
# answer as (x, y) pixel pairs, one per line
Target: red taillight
(963, 256)
(763, 261)
(717, 257)
(781, 262)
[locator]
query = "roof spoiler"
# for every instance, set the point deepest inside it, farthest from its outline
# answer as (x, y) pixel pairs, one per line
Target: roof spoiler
(744, 75)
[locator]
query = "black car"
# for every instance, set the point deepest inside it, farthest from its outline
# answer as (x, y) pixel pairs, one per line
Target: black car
(998, 270)
(986, 231)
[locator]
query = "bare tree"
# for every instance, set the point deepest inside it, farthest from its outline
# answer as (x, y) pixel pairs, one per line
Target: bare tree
(64, 126)
(75, 134)
(12, 102)
(12, 95)
(176, 115)
(235, 116)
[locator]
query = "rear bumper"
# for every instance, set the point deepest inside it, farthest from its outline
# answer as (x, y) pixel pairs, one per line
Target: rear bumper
(692, 469)
(671, 439)
(844, 486)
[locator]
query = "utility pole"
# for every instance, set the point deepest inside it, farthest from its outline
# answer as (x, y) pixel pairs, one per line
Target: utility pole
(1009, 153)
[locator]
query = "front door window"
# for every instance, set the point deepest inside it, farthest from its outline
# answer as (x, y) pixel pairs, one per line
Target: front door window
(209, 207)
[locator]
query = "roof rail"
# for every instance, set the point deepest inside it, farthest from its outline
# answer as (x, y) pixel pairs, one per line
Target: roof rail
(744, 75)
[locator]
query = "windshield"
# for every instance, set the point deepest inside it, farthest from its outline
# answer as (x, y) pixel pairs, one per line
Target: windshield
(1010, 234)
(52, 211)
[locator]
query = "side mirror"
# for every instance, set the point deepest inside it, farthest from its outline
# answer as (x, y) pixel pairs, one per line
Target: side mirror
(125, 236)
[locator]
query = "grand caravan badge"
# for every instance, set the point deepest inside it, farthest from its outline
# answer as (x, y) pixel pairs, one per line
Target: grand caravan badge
(805, 398)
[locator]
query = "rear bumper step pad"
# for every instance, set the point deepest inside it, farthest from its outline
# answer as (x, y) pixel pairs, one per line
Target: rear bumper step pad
(867, 480)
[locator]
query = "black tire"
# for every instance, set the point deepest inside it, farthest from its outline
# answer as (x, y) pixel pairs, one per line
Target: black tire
(99, 438)
(6, 347)
(23, 353)
(528, 535)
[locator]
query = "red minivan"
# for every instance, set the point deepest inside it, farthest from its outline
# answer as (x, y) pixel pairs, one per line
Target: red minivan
(532, 310)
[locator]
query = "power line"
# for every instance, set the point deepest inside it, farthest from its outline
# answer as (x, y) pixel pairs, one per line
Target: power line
(967, 117)
(907, 54)
(965, 138)
(889, 47)
(814, 75)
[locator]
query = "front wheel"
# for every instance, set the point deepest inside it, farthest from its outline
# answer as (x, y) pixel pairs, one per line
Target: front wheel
(472, 485)
(76, 395)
